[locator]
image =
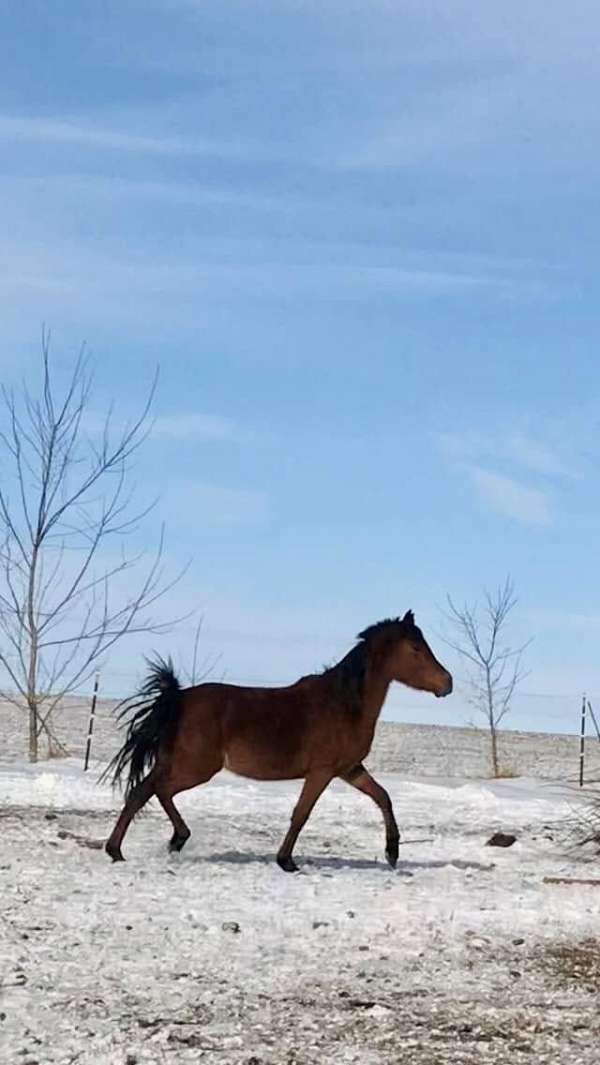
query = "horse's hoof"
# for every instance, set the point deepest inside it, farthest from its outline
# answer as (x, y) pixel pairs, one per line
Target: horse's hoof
(114, 853)
(177, 844)
(287, 864)
(391, 854)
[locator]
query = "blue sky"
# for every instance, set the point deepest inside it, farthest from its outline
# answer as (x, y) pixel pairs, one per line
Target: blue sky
(361, 241)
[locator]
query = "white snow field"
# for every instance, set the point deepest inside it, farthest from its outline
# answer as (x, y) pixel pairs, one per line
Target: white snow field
(461, 955)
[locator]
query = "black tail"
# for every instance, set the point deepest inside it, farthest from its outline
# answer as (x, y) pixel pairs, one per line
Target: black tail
(157, 708)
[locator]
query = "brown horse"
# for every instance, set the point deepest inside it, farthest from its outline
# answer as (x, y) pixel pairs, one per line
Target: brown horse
(319, 728)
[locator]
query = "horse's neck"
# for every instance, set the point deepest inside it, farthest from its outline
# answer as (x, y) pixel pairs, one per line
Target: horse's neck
(376, 689)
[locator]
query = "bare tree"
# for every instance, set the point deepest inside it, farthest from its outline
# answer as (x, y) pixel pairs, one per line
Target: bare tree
(201, 670)
(65, 575)
(494, 668)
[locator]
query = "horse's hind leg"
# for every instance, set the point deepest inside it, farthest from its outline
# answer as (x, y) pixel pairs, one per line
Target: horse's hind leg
(361, 779)
(181, 832)
(314, 785)
(169, 783)
(138, 798)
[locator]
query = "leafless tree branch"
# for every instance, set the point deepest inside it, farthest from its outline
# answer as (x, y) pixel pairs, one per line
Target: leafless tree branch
(64, 499)
(494, 669)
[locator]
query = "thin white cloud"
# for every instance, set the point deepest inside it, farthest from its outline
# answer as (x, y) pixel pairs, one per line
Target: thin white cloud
(545, 457)
(184, 426)
(102, 187)
(83, 271)
(178, 427)
(447, 121)
(521, 471)
(543, 449)
(64, 131)
(512, 498)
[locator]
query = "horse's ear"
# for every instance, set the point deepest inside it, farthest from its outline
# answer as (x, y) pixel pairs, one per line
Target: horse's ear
(409, 618)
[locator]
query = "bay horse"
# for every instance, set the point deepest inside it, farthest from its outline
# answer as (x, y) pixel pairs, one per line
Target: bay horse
(317, 729)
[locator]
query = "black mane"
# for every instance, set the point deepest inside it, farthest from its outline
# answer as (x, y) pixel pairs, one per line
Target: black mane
(349, 678)
(407, 624)
(349, 674)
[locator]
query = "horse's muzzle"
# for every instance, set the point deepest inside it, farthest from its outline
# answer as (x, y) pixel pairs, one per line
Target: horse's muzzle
(446, 689)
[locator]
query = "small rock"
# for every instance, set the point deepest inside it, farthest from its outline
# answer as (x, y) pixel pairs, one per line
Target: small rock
(478, 942)
(131, 1059)
(350, 913)
(320, 924)
(501, 839)
(50, 817)
(231, 926)
(518, 942)
(378, 1010)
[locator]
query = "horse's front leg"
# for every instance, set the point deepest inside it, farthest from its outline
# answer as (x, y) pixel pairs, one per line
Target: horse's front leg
(314, 785)
(360, 778)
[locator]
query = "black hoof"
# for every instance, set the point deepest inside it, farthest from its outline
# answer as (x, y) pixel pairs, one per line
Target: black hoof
(391, 854)
(177, 843)
(287, 864)
(114, 853)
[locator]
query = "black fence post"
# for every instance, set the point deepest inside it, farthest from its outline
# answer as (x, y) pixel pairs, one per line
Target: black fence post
(582, 741)
(88, 745)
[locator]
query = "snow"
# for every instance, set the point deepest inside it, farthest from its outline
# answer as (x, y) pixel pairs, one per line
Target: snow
(461, 954)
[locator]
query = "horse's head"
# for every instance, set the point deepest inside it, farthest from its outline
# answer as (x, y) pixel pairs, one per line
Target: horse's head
(406, 656)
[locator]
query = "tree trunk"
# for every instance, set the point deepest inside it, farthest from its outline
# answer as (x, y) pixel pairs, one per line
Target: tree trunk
(494, 747)
(33, 731)
(32, 671)
(491, 716)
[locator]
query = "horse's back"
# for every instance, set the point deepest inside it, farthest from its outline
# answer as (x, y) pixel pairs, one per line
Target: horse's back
(261, 733)
(264, 733)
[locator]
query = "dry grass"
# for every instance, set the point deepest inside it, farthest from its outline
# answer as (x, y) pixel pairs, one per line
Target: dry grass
(575, 966)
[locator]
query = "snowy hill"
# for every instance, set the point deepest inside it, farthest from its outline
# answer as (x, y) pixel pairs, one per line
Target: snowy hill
(410, 749)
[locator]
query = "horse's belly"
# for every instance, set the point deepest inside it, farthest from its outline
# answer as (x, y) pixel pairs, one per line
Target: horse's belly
(267, 768)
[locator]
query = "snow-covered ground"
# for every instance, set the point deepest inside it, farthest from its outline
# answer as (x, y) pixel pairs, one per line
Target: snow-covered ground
(463, 954)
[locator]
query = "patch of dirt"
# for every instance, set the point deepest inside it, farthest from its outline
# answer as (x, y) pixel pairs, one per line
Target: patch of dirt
(31, 813)
(575, 966)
